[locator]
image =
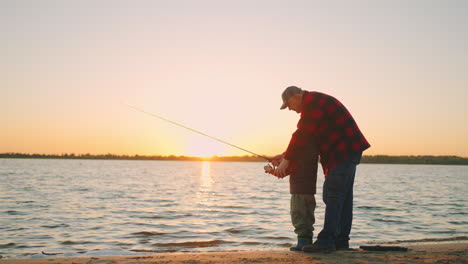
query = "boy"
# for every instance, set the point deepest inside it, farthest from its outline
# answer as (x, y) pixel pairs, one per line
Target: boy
(302, 185)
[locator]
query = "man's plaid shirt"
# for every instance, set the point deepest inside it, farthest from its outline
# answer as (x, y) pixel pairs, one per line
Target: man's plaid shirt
(326, 120)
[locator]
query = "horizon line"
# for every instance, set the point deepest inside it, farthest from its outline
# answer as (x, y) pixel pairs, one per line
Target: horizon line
(188, 156)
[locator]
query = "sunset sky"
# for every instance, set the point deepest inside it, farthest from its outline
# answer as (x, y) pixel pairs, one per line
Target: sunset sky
(69, 67)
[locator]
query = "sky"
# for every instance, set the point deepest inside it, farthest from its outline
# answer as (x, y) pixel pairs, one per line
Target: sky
(68, 69)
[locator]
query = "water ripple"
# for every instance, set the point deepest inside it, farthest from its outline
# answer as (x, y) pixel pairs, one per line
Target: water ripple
(193, 244)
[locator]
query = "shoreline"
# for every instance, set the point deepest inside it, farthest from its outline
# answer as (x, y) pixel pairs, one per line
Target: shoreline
(430, 252)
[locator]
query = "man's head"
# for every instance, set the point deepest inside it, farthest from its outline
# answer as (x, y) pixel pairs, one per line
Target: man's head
(292, 98)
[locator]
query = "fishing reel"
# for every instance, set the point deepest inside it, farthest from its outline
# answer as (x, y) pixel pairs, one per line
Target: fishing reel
(270, 169)
(273, 165)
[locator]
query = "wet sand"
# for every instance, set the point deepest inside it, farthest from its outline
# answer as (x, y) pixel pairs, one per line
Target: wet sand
(428, 253)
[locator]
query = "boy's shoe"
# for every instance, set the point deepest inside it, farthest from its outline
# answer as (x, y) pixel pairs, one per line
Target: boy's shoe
(318, 248)
(301, 242)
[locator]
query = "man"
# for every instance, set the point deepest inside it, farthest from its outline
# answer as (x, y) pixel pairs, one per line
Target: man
(340, 143)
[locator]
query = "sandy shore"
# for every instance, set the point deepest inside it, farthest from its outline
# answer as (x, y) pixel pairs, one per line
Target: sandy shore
(429, 253)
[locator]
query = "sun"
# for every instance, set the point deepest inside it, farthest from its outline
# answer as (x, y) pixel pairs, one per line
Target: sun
(205, 148)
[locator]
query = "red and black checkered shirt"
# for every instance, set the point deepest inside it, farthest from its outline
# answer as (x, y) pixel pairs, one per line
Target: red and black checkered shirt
(326, 120)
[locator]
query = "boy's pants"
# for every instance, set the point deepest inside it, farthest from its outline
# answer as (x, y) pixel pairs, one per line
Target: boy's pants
(302, 214)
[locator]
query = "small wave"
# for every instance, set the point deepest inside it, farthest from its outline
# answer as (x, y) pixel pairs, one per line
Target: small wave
(55, 226)
(24, 202)
(27, 246)
(13, 212)
(251, 243)
(147, 234)
(50, 253)
(285, 245)
(167, 216)
(457, 205)
(81, 189)
(153, 251)
(16, 229)
(155, 217)
(259, 198)
(459, 238)
(148, 224)
(376, 208)
(166, 205)
(9, 245)
(275, 238)
(68, 242)
(122, 244)
(234, 231)
(390, 221)
(158, 201)
(458, 213)
(459, 222)
(411, 203)
(449, 232)
(242, 213)
(143, 224)
(232, 207)
(192, 244)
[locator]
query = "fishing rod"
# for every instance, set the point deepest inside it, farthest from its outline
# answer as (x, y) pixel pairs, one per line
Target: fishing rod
(193, 130)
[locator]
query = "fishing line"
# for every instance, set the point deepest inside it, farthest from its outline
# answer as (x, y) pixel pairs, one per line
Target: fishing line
(193, 130)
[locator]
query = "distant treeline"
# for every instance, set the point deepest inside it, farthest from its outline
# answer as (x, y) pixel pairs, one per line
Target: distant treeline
(441, 160)
(378, 159)
(126, 157)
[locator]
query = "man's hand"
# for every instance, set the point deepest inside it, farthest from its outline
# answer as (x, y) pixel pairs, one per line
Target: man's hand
(280, 172)
(276, 160)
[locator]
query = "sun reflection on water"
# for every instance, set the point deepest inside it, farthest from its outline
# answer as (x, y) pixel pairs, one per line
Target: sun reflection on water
(206, 179)
(204, 196)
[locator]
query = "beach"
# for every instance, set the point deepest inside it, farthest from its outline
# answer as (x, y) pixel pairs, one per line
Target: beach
(427, 253)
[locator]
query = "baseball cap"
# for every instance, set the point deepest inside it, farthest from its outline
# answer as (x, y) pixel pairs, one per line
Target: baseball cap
(288, 93)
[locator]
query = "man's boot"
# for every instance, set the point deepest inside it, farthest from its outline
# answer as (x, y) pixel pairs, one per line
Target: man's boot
(319, 248)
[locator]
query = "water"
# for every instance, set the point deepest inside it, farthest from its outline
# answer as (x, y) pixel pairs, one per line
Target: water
(120, 207)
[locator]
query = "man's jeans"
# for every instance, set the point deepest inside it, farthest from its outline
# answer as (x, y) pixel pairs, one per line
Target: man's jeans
(338, 197)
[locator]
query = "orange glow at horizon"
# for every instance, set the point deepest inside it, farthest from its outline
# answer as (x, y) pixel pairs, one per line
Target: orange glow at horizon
(204, 147)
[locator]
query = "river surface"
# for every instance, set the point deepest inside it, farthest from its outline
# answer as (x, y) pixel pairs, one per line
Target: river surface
(118, 207)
